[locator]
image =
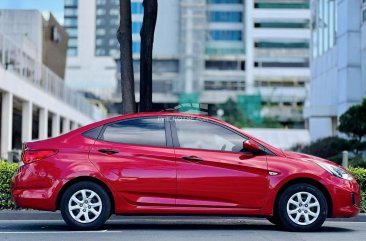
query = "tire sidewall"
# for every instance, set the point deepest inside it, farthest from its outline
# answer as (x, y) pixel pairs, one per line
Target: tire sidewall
(285, 220)
(106, 206)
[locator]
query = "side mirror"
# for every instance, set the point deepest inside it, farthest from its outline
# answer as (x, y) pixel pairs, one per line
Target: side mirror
(250, 145)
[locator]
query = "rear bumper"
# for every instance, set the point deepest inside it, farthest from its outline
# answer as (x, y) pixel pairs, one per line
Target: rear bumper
(35, 191)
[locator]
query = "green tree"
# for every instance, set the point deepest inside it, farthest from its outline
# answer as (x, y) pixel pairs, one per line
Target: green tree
(233, 114)
(353, 124)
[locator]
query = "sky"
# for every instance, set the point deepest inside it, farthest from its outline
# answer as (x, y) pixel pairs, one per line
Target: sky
(56, 7)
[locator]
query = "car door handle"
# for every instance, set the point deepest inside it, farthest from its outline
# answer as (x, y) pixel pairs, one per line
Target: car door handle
(108, 151)
(192, 158)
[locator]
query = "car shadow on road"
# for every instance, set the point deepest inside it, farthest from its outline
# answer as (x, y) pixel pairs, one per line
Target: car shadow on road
(141, 225)
(200, 226)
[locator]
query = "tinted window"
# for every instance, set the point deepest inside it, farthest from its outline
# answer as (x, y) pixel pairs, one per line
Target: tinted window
(93, 133)
(204, 135)
(146, 131)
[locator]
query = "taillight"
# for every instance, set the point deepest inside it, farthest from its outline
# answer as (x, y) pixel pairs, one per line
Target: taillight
(29, 156)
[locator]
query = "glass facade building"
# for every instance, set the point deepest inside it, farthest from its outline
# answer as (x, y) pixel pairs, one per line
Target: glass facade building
(71, 25)
(324, 27)
(225, 19)
(107, 22)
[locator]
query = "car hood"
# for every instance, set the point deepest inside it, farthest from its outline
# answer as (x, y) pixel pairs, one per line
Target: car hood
(305, 157)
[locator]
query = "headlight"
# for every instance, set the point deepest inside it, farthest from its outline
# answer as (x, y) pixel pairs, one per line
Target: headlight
(335, 171)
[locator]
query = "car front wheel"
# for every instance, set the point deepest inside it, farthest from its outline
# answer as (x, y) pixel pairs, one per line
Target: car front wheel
(85, 205)
(302, 207)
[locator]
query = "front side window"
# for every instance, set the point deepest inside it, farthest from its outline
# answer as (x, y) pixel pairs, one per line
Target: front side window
(197, 134)
(144, 131)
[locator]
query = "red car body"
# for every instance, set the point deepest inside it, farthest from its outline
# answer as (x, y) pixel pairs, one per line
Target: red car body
(157, 180)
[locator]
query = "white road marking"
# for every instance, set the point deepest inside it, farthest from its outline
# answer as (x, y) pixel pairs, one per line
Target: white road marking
(60, 232)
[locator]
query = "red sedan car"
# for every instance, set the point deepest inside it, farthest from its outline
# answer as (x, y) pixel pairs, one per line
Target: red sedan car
(174, 163)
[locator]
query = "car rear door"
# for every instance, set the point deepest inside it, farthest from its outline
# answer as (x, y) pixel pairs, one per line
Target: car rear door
(212, 169)
(137, 158)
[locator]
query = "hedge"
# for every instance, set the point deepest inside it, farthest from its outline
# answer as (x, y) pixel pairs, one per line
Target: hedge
(360, 175)
(7, 170)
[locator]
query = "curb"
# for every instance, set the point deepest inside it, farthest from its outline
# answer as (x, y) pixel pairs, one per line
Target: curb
(43, 215)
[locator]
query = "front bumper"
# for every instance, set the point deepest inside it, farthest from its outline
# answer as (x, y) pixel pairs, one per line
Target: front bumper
(346, 198)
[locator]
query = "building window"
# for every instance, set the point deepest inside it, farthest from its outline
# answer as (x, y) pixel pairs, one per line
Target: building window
(363, 11)
(100, 52)
(99, 42)
(136, 46)
(324, 26)
(73, 42)
(224, 65)
(226, 35)
(233, 17)
(72, 52)
(71, 2)
(100, 21)
(281, 45)
(113, 42)
(217, 85)
(114, 11)
(114, 21)
(71, 12)
(113, 52)
(101, 2)
(71, 22)
(225, 1)
(137, 8)
(136, 27)
(72, 32)
(282, 24)
(101, 11)
(268, 4)
(100, 31)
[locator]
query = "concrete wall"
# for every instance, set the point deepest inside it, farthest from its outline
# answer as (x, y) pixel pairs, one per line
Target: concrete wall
(54, 47)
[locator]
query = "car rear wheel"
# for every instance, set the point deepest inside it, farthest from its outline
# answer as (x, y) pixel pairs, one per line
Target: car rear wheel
(302, 207)
(85, 205)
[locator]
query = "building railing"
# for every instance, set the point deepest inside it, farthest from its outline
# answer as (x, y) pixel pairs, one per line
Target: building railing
(16, 60)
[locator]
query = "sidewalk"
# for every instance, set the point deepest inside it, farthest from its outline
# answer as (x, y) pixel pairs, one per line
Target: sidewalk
(43, 215)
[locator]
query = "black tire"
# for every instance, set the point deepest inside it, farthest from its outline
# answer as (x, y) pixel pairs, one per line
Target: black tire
(104, 209)
(274, 220)
(315, 221)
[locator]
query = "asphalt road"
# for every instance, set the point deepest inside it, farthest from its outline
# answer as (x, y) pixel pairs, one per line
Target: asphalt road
(177, 228)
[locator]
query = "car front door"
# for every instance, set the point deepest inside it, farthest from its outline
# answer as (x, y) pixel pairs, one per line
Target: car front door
(137, 158)
(213, 170)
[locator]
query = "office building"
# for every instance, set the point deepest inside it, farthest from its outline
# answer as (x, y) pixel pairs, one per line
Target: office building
(338, 66)
(35, 103)
(204, 50)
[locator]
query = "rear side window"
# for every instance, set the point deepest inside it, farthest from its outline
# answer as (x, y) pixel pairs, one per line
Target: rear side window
(144, 131)
(93, 133)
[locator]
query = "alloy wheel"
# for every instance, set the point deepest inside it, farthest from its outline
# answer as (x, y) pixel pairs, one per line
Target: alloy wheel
(303, 208)
(85, 206)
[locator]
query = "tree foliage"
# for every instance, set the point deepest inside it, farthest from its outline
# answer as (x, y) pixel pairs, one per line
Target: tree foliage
(234, 115)
(328, 148)
(353, 124)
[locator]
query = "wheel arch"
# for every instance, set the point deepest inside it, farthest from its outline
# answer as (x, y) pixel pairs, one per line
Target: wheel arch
(309, 181)
(80, 179)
